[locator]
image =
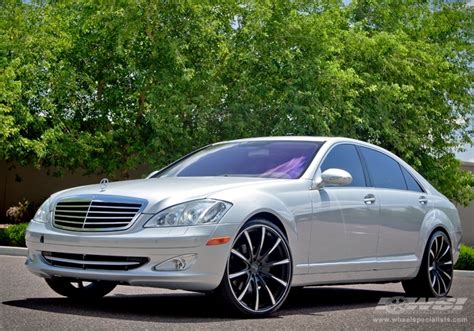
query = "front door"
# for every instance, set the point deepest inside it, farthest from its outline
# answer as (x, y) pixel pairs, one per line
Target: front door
(345, 226)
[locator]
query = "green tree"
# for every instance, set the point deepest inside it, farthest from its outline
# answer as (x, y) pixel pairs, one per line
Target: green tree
(109, 86)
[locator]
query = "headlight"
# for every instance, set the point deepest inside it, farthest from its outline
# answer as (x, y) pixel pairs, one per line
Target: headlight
(196, 212)
(43, 215)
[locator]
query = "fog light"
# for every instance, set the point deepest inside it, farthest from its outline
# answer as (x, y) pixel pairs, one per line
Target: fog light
(178, 263)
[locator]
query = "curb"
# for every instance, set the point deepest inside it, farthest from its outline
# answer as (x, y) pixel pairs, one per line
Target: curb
(464, 273)
(13, 251)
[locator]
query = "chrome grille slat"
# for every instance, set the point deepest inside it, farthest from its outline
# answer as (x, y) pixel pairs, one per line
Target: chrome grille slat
(96, 212)
(108, 217)
(59, 259)
(114, 207)
(70, 211)
(88, 213)
(73, 206)
(108, 223)
(70, 222)
(70, 216)
(86, 261)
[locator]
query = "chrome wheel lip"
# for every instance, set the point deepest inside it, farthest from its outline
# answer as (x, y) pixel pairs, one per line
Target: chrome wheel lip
(255, 276)
(440, 265)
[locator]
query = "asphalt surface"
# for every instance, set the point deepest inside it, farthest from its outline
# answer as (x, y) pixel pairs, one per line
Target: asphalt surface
(28, 304)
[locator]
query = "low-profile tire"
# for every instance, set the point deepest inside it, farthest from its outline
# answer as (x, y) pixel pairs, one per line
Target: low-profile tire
(435, 276)
(259, 270)
(79, 289)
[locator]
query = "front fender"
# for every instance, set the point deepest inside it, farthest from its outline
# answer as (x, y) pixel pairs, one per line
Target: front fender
(247, 206)
(292, 208)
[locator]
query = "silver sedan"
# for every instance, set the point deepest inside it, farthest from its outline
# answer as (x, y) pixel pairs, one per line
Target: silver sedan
(249, 219)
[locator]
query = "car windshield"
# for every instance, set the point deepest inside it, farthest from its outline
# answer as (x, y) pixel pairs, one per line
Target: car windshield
(266, 159)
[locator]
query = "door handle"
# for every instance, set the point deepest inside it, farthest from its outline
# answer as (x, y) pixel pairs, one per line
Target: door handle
(423, 200)
(369, 199)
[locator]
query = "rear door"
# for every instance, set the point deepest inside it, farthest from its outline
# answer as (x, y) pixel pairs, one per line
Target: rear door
(403, 206)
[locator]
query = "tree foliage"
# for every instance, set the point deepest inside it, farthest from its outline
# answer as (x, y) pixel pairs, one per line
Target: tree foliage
(108, 86)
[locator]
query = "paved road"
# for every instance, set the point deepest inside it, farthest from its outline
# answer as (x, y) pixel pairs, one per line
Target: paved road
(28, 304)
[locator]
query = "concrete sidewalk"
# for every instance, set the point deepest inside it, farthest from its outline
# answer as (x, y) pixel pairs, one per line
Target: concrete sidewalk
(13, 251)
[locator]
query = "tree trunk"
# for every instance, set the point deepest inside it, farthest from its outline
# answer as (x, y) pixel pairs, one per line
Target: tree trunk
(141, 107)
(100, 89)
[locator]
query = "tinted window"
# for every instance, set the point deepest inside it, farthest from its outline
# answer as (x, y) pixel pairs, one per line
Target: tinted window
(384, 171)
(269, 159)
(345, 157)
(411, 182)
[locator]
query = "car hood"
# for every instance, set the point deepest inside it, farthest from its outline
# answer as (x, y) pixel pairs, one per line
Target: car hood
(163, 192)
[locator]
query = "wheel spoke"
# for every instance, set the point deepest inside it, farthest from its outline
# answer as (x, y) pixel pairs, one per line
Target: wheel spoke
(257, 294)
(444, 253)
(433, 281)
(443, 264)
(282, 282)
(246, 288)
(442, 282)
(431, 252)
(272, 249)
(261, 243)
(439, 284)
(445, 273)
(237, 253)
(270, 294)
(272, 264)
(440, 247)
(250, 244)
(238, 274)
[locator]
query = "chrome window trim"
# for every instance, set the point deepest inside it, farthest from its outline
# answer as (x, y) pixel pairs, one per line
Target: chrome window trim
(423, 190)
(399, 164)
(364, 166)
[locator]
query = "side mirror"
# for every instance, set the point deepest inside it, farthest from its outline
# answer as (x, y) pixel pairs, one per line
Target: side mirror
(333, 176)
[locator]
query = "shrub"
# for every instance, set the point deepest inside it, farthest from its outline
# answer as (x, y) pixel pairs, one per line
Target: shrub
(13, 235)
(22, 212)
(3, 237)
(466, 258)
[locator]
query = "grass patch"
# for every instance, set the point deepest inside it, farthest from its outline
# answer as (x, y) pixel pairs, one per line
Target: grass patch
(466, 258)
(13, 235)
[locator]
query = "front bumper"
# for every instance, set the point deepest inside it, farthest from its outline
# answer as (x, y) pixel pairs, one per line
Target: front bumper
(156, 244)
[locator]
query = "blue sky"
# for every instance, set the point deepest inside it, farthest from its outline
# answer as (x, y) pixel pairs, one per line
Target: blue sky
(467, 156)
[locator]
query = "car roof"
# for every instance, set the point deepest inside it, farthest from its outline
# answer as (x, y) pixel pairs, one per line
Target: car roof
(283, 138)
(330, 140)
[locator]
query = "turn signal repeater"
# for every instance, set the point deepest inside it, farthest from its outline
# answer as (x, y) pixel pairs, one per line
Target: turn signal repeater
(218, 241)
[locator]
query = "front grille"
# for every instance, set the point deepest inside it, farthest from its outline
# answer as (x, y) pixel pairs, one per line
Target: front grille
(85, 261)
(96, 215)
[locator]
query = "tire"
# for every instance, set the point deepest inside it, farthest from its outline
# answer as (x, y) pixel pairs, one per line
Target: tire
(435, 276)
(259, 270)
(83, 290)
